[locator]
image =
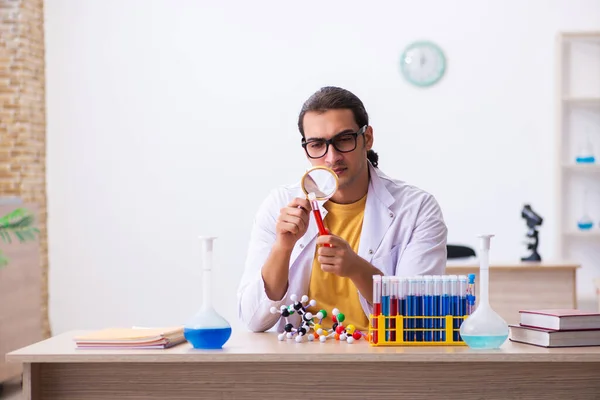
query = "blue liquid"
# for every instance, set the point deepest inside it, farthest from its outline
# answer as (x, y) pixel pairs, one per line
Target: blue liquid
(385, 310)
(446, 310)
(419, 324)
(437, 323)
(211, 338)
(405, 309)
(586, 160)
(411, 311)
(455, 310)
(428, 311)
(484, 342)
(585, 225)
(462, 311)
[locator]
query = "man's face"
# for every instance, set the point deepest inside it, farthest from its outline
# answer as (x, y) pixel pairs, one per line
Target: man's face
(348, 166)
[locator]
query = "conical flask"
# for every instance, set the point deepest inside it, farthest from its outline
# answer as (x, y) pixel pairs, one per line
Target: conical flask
(207, 329)
(584, 222)
(585, 153)
(484, 329)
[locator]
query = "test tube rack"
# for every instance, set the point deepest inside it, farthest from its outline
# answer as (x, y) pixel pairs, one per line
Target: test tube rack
(402, 330)
(425, 310)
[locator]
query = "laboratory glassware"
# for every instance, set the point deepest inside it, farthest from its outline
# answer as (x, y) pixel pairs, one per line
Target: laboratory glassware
(585, 222)
(207, 329)
(484, 329)
(585, 153)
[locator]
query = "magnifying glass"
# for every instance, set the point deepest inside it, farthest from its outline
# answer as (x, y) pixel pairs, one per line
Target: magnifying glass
(319, 183)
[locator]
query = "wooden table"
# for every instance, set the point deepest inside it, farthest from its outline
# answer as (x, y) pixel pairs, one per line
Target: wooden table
(258, 366)
(525, 285)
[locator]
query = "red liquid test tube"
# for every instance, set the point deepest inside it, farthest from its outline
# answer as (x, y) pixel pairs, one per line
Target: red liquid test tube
(376, 305)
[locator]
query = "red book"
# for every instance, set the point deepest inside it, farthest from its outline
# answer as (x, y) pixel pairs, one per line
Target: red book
(550, 338)
(560, 319)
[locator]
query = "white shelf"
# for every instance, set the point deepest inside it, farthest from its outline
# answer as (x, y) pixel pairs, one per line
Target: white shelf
(592, 234)
(587, 102)
(590, 168)
(592, 37)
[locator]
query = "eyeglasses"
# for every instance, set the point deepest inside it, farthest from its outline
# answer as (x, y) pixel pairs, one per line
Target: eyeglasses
(344, 142)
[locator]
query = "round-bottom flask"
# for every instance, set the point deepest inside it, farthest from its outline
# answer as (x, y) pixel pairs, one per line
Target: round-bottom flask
(484, 329)
(207, 329)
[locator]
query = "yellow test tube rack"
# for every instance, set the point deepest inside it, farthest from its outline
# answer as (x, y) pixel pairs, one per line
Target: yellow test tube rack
(392, 330)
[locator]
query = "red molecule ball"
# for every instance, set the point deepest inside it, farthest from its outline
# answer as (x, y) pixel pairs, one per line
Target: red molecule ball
(356, 335)
(340, 329)
(333, 318)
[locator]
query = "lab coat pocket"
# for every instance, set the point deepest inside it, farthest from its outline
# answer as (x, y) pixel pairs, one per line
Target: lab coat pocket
(386, 262)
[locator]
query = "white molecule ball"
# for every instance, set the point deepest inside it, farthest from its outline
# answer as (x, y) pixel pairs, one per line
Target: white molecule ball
(289, 335)
(350, 340)
(322, 339)
(308, 315)
(298, 339)
(281, 336)
(320, 315)
(313, 302)
(343, 337)
(320, 331)
(304, 298)
(311, 337)
(294, 297)
(335, 311)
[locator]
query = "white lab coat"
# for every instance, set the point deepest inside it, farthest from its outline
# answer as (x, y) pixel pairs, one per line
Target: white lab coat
(403, 234)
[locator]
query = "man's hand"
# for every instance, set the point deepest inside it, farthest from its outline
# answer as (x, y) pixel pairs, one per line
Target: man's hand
(341, 260)
(292, 223)
(338, 258)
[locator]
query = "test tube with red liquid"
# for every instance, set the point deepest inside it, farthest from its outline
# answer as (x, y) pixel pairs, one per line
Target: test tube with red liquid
(318, 218)
(376, 305)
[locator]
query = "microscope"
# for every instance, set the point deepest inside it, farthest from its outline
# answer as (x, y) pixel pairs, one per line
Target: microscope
(533, 220)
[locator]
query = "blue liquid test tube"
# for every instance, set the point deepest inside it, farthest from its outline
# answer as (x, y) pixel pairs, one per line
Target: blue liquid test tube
(471, 294)
(412, 307)
(454, 306)
(420, 312)
(428, 308)
(385, 305)
(446, 304)
(437, 307)
(462, 292)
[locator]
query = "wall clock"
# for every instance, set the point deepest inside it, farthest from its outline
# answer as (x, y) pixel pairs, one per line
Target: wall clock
(423, 63)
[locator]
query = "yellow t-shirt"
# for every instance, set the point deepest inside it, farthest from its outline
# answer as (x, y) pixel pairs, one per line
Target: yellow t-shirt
(332, 291)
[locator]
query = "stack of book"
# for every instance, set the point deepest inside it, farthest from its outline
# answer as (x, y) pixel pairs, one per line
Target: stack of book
(131, 338)
(557, 328)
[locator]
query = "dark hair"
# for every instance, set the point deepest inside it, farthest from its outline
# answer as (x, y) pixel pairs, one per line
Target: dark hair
(335, 98)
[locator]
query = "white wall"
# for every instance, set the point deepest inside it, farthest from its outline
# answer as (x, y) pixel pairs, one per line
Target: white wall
(172, 119)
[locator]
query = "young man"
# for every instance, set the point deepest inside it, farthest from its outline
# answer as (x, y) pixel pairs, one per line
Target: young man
(377, 225)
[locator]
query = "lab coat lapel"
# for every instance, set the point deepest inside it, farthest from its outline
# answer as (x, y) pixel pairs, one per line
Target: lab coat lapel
(378, 216)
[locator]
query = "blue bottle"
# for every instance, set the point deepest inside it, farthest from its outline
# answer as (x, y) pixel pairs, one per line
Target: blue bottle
(207, 329)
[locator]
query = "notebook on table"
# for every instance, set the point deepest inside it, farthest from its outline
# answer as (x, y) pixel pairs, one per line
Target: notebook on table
(131, 338)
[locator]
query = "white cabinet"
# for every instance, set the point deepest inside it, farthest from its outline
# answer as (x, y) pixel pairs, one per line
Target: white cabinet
(577, 70)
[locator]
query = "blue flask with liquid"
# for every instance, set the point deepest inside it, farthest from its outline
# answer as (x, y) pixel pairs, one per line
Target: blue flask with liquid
(207, 329)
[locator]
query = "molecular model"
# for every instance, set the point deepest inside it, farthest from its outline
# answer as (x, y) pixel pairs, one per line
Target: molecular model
(306, 319)
(338, 331)
(311, 330)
